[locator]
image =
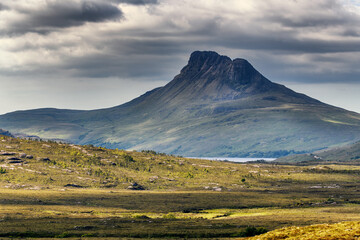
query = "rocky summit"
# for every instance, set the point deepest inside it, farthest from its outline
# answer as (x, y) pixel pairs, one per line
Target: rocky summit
(215, 107)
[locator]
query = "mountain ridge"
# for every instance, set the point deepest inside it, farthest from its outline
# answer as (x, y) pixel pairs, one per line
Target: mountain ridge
(214, 107)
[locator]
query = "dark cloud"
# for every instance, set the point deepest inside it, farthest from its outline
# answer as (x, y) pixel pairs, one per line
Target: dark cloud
(311, 21)
(134, 66)
(63, 14)
(288, 43)
(155, 44)
(3, 7)
(320, 14)
(136, 2)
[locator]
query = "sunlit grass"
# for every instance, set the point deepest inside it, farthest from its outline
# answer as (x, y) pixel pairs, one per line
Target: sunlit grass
(343, 230)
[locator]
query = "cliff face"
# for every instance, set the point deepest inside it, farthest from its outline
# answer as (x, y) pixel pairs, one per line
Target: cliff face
(211, 76)
(214, 107)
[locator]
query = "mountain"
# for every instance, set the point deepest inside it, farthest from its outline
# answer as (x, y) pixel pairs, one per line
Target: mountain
(215, 107)
(349, 154)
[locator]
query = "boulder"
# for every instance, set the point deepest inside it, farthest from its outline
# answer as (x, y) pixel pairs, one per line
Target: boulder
(7, 153)
(45, 159)
(135, 186)
(13, 158)
(73, 185)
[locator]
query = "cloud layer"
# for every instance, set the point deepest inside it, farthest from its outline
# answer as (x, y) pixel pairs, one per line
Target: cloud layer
(304, 41)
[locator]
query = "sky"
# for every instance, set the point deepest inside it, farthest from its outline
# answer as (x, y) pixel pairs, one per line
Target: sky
(89, 54)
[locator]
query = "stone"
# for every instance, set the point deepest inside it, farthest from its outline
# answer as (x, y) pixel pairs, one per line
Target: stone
(73, 185)
(7, 153)
(45, 159)
(135, 186)
(13, 158)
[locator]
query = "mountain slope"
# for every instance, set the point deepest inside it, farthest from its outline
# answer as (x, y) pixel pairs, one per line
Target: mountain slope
(215, 107)
(349, 154)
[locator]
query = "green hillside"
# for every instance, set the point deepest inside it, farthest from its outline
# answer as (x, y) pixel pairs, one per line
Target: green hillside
(41, 164)
(349, 154)
(215, 107)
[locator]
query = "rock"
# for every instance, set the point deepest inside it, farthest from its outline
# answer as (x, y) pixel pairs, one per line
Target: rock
(46, 146)
(169, 179)
(84, 227)
(107, 161)
(135, 186)
(153, 178)
(7, 153)
(13, 158)
(15, 161)
(22, 155)
(29, 156)
(76, 147)
(73, 185)
(45, 159)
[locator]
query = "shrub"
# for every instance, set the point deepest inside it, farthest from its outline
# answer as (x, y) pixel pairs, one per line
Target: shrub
(2, 170)
(252, 231)
(169, 216)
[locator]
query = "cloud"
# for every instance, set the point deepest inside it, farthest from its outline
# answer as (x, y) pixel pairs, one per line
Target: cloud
(136, 2)
(305, 41)
(3, 7)
(51, 15)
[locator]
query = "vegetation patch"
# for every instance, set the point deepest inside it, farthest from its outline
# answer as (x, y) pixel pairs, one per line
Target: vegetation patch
(343, 230)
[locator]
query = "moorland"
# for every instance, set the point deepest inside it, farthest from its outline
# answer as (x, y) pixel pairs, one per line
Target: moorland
(58, 190)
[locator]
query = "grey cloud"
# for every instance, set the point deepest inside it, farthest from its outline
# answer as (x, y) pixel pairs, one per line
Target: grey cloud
(3, 7)
(351, 33)
(63, 14)
(153, 47)
(312, 68)
(135, 66)
(136, 2)
(319, 14)
(272, 42)
(159, 51)
(311, 21)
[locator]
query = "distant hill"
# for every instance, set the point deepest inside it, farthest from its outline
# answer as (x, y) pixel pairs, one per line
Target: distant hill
(5, 133)
(349, 154)
(215, 107)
